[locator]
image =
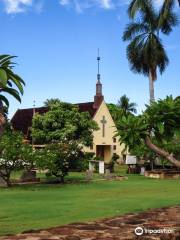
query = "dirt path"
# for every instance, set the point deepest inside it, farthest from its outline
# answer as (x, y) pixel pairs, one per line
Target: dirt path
(117, 228)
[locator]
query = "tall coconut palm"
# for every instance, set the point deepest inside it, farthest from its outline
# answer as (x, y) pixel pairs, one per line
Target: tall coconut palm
(145, 51)
(8, 80)
(126, 106)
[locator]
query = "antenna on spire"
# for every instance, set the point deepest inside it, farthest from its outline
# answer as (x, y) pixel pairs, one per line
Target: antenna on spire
(98, 59)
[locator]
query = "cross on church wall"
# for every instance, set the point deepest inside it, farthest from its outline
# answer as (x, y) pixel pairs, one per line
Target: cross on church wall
(103, 121)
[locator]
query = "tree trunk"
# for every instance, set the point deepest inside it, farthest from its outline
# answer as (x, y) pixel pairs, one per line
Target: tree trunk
(2, 119)
(152, 164)
(62, 179)
(151, 86)
(8, 182)
(162, 152)
(6, 177)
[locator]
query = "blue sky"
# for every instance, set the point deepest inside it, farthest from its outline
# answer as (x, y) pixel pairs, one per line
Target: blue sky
(56, 43)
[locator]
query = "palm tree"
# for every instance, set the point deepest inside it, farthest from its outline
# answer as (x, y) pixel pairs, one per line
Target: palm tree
(51, 101)
(8, 79)
(126, 106)
(145, 51)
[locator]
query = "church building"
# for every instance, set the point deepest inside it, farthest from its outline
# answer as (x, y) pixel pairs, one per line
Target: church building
(104, 142)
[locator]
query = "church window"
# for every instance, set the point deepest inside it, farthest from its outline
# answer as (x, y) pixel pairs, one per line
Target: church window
(114, 147)
(114, 140)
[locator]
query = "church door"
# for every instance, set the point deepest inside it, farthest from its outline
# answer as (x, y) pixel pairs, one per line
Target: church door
(100, 151)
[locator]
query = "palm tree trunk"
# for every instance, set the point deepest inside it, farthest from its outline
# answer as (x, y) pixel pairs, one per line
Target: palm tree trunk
(162, 152)
(2, 119)
(151, 86)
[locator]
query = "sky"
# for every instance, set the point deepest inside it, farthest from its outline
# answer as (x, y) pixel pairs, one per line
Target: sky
(56, 42)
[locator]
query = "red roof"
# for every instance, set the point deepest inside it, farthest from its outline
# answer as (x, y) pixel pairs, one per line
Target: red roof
(22, 119)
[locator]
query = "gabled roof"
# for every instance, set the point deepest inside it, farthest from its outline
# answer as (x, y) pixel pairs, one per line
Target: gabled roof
(22, 119)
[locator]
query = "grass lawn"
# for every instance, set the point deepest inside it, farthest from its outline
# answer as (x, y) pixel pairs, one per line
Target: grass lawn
(40, 206)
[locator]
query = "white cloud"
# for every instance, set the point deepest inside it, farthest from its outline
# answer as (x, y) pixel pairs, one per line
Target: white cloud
(81, 5)
(107, 4)
(16, 6)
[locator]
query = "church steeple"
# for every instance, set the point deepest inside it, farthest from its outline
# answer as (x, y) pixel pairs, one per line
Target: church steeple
(98, 98)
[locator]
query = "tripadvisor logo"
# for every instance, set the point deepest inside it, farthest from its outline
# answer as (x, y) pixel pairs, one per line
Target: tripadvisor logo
(139, 231)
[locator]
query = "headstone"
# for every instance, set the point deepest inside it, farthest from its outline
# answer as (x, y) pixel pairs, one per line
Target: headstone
(91, 166)
(101, 167)
(108, 175)
(142, 170)
(29, 176)
(89, 175)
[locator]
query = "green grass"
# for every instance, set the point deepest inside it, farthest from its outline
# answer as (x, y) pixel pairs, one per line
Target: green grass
(40, 206)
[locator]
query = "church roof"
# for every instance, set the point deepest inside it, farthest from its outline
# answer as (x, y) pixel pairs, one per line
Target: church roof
(87, 107)
(22, 119)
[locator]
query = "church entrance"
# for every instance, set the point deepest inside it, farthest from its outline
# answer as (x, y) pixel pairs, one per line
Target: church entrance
(103, 152)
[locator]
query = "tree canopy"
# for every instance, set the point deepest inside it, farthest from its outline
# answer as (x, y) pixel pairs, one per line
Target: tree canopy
(62, 123)
(64, 130)
(157, 128)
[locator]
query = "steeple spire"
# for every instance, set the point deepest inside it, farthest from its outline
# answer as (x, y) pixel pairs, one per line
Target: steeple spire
(98, 98)
(98, 59)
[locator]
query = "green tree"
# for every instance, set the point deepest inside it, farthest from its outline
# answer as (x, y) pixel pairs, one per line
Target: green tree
(123, 107)
(126, 106)
(58, 158)
(157, 128)
(63, 122)
(145, 51)
(115, 111)
(10, 154)
(64, 130)
(8, 79)
(51, 101)
(29, 156)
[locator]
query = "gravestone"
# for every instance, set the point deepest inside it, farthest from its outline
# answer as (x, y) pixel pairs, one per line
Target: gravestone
(142, 171)
(108, 174)
(89, 175)
(29, 176)
(101, 167)
(92, 166)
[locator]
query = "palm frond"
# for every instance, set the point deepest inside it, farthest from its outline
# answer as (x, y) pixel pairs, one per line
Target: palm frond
(145, 7)
(13, 92)
(5, 100)
(167, 19)
(133, 29)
